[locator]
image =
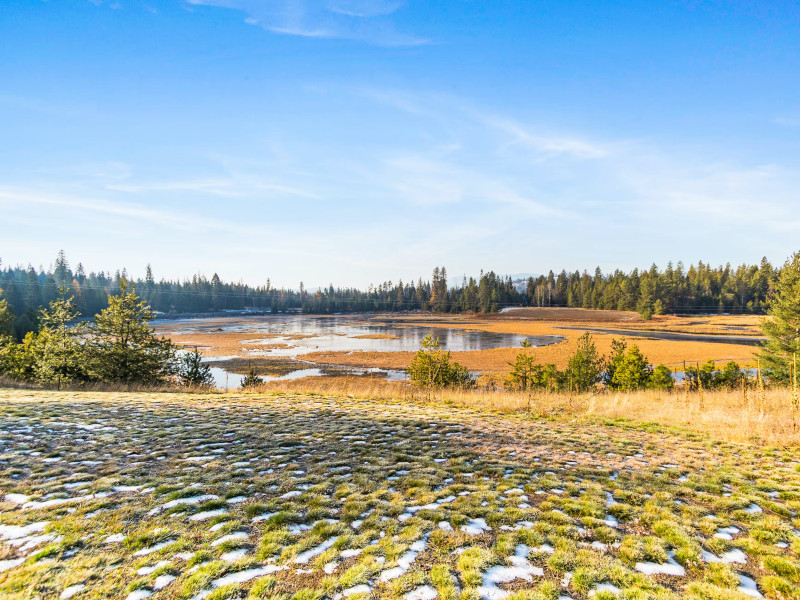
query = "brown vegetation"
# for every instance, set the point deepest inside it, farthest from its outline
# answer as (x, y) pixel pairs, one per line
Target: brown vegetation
(730, 416)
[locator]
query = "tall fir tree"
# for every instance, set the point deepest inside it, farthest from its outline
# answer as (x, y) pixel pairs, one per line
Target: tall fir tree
(783, 328)
(58, 353)
(122, 345)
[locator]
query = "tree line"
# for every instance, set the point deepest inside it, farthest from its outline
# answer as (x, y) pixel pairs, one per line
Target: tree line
(627, 369)
(697, 289)
(117, 346)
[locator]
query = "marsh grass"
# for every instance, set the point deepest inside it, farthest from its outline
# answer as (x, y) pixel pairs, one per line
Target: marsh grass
(727, 415)
(385, 494)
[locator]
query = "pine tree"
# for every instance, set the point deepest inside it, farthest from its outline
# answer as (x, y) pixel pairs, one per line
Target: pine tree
(251, 380)
(433, 367)
(614, 362)
(584, 368)
(123, 347)
(633, 372)
(6, 336)
(783, 329)
(61, 271)
(525, 373)
(661, 379)
(6, 319)
(192, 371)
(58, 354)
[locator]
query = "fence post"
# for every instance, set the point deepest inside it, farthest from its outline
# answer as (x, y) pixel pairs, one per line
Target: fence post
(700, 387)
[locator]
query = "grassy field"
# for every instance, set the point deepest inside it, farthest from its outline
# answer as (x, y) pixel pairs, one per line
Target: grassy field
(114, 495)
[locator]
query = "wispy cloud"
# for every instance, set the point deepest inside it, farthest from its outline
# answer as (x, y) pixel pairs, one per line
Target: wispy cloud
(364, 20)
(549, 145)
(463, 115)
(19, 198)
(215, 187)
(787, 122)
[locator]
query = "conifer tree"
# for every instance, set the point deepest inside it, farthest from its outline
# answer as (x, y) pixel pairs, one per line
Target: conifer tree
(192, 371)
(584, 368)
(6, 319)
(122, 345)
(251, 379)
(58, 354)
(783, 329)
(661, 379)
(633, 373)
(525, 373)
(6, 335)
(433, 367)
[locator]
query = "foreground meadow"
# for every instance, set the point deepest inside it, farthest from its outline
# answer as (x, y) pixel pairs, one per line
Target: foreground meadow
(115, 495)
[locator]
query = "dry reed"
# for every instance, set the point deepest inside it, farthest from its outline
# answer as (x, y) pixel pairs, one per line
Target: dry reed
(725, 415)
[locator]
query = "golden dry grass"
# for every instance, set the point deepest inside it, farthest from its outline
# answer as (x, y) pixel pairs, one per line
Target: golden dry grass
(729, 416)
(668, 352)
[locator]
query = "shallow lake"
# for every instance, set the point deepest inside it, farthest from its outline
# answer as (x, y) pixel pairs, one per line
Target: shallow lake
(303, 334)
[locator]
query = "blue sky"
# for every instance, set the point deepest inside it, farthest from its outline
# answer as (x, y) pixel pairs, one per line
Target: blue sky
(358, 141)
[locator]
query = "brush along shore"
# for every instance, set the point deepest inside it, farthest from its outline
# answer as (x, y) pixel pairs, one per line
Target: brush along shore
(304, 497)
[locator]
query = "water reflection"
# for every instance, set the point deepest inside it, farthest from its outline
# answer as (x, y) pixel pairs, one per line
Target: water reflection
(304, 334)
(346, 334)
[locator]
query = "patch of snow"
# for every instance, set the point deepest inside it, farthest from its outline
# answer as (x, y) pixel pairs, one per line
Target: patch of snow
(208, 514)
(356, 589)
(148, 570)
(17, 498)
(604, 587)
(126, 488)
(180, 501)
(14, 532)
(5, 565)
(423, 592)
(58, 501)
(71, 591)
(155, 548)
(475, 527)
(727, 533)
(669, 568)
(238, 535)
(521, 569)
(263, 517)
(163, 581)
(749, 587)
(304, 557)
(234, 555)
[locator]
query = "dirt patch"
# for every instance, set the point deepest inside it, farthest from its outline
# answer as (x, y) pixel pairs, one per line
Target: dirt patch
(273, 367)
